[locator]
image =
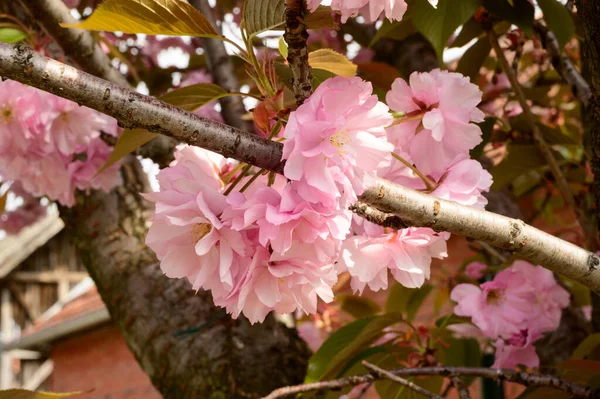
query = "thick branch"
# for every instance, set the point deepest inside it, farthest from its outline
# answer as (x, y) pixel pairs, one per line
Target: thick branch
(522, 378)
(542, 145)
(223, 72)
(295, 36)
(81, 46)
(422, 210)
(132, 109)
(78, 44)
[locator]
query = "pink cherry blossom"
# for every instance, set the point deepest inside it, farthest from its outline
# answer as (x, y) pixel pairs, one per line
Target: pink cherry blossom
(284, 218)
(406, 253)
(474, 270)
(186, 234)
(335, 139)
(439, 107)
(464, 182)
(522, 297)
(517, 350)
(282, 283)
(371, 9)
(84, 172)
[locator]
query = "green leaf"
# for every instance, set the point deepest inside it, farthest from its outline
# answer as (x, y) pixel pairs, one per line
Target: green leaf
(388, 389)
(520, 160)
(332, 61)
(358, 306)
(451, 319)
(462, 353)
(345, 344)
(472, 29)
(406, 300)
(263, 15)
(487, 128)
(11, 36)
(283, 48)
(189, 98)
(586, 347)
(398, 30)
(439, 24)
(25, 394)
(152, 17)
(558, 19)
(519, 13)
(472, 60)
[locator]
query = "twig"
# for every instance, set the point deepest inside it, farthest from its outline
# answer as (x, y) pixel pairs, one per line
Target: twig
(381, 373)
(526, 379)
(493, 251)
(295, 36)
(134, 110)
(542, 145)
(463, 391)
(563, 65)
(223, 72)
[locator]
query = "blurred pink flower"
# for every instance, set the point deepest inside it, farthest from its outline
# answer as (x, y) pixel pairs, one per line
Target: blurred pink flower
(518, 349)
(474, 270)
(371, 9)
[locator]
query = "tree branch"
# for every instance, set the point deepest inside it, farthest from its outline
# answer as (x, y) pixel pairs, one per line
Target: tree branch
(223, 72)
(384, 374)
(563, 65)
(414, 208)
(81, 46)
(295, 36)
(542, 145)
(463, 391)
(522, 378)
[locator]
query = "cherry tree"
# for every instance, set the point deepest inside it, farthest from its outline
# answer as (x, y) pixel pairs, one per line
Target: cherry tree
(404, 189)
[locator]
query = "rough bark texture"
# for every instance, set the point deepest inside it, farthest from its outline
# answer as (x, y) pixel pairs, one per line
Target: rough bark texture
(132, 109)
(589, 15)
(223, 72)
(224, 359)
(295, 36)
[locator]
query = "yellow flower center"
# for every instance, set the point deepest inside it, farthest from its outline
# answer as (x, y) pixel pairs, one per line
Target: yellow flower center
(6, 113)
(200, 230)
(339, 140)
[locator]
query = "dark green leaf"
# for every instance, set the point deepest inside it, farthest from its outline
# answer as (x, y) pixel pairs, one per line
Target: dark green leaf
(397, 30)
(558, 20)
(586, 347)
(263, 15)
(472, 60)
(451, 319)
(345, 344)
(406, 300)
(462, 352)
(520, 160)
(416, 300)
(472, 29)
(520, 13)
(487, 128)
(11, 36)
(358, 306)
(437, 25)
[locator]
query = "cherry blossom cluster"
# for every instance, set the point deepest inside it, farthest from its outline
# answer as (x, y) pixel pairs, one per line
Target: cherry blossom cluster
(370, 9)
(514, 309)
(52, 146)
(261, 242)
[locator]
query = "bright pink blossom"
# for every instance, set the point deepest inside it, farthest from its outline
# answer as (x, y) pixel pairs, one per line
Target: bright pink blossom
(464, 182)
(281, 283)
(406, 253)
(439, 107)
(335, 139)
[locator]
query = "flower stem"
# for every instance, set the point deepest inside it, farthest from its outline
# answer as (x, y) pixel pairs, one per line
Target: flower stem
(238, 179)
(430, 184)
(405, 119)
